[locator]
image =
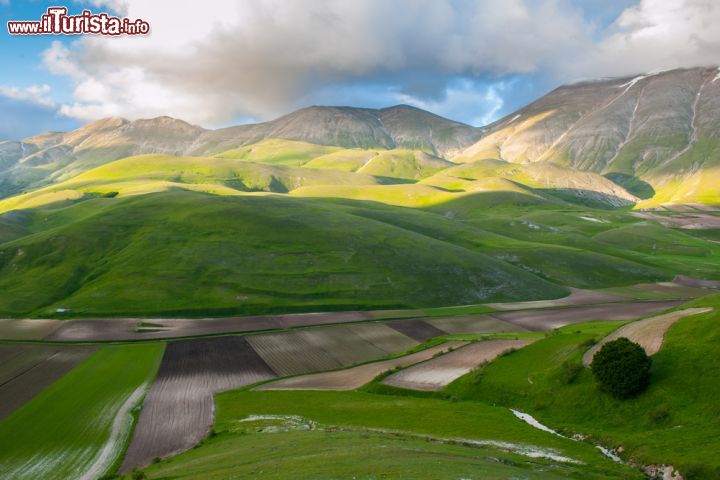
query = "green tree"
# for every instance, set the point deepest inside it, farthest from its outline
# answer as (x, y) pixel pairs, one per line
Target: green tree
(622, 368)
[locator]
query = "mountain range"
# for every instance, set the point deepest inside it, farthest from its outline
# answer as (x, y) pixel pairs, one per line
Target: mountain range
(655, 135)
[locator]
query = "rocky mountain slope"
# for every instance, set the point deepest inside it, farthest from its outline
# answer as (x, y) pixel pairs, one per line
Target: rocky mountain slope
(662, 129)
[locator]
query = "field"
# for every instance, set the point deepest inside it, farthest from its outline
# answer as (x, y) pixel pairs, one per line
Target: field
(177, 411)
(78, 426)
(345, 434)
(473, 324)
(435, 374)
(12, 329)
(138, 329)
(649, 333)
(26, 370)
(548, 319)
(355, 377)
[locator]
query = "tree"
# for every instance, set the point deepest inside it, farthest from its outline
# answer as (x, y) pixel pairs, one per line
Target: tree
(622, 368)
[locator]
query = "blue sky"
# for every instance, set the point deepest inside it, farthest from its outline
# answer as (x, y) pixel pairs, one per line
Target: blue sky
(240, 61)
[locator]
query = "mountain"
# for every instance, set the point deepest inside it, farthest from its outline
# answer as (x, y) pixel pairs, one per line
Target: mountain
(400, 126)
(53, 157)
(658, 134)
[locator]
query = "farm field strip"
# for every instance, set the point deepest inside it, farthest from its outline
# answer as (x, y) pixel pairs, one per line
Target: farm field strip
(27, 329)
(576, 297)
(178, 410)
(539, 320)
(435, 374)
(64, 432)
(26, 370)
(304, 351)
(416, 329)
(474, 324)
(649, 333)
(143, 329)
(355, 377)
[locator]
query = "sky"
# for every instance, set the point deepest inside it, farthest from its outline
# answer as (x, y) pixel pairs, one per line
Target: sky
(223, 62)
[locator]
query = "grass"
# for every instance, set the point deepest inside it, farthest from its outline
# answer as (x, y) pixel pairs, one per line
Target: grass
(343, 434)
(64, 430)
(182, 253)
(674, 422)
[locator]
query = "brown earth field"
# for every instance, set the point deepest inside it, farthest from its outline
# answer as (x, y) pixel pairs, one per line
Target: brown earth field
(649, 333)
(355, 377)
(292, 353)
(576, 297)
(416, 329)
(690, 221)
(26, 370)
(178, 410)
(547, 319)
(696, 282)
(439, 372)
(11, 329)
(474, 324)
(142, 329)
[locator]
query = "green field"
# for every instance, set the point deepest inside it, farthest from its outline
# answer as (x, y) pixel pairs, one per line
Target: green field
(354, 434)
(81, 423)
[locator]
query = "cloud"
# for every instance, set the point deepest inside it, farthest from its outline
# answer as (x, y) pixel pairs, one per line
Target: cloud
(36, 94)
(657, 35)
(259, 58)
(462, 96)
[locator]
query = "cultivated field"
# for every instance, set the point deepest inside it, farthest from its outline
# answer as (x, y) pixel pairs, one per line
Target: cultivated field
(11, 329)
(649, 333)
(136, 329)
(441, 371)
(576, 297)
(26, 370)
(78, 426)
(178, 410)
(547, 319)
(328, 348)
(473, 324)
(416, 329)
(355, 377)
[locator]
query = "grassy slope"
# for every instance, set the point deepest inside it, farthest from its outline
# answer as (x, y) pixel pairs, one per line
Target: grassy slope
(342, 446)
(675, 421)
(182, 252)
(60, 432)
(276, 151)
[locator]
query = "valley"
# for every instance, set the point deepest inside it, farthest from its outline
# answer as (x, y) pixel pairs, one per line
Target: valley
(364, 292)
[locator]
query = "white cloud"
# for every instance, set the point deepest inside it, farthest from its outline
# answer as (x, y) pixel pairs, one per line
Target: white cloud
(36, 94)
(658, 35)
(258, 57)
(463, 97)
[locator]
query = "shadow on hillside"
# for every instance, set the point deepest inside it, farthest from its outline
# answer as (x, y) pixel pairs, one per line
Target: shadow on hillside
(632, 184)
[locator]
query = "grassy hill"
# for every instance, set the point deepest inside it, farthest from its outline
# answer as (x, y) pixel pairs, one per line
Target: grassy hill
(198, 253)
(675, 421)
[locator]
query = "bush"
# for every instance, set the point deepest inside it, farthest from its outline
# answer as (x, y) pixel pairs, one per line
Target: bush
(622, 368)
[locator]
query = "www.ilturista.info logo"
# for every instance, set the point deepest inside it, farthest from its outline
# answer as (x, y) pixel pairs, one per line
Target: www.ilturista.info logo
(57, 22)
